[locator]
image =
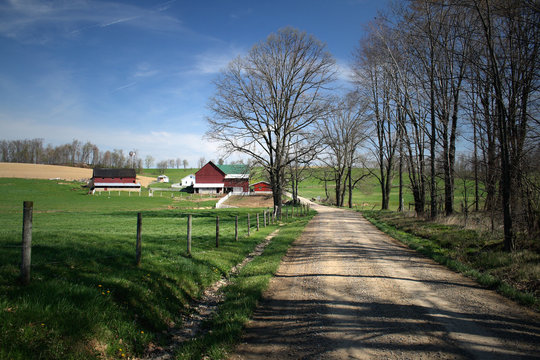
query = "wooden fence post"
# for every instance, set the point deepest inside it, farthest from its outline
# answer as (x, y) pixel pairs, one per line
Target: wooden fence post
(264, 213)
(217, 231)
(189, 235)
(257, 221)
(236, 228)
(26, 251)
(138, 246)
(249, 225)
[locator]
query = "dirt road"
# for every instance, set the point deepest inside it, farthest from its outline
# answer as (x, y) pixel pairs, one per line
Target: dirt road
(347, 291)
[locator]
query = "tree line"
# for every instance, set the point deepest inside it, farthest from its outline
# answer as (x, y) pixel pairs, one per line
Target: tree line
(435, 72)
(77, 153)
(443, 90)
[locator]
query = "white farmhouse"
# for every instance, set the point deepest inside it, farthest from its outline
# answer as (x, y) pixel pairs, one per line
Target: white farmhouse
(188, 180)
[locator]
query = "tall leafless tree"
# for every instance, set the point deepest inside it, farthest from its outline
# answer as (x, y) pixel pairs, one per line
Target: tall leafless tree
(373, 77)
(268, 101)
(341, 134)
(510, 33)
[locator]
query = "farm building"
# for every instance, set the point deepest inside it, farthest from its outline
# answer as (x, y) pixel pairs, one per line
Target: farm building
(261, 187)
(163, 179)
(222, 179)
(188, 180)
(114, 179)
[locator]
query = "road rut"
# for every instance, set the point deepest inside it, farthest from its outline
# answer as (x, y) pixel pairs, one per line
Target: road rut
(345, 290)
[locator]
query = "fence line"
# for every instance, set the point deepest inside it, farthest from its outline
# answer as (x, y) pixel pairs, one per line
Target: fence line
(26, 245)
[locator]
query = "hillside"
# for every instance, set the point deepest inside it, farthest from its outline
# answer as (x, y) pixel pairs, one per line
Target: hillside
(39, 171)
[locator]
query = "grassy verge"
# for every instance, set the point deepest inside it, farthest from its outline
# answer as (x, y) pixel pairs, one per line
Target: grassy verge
(477, 255)
(87, 299)
(241, 298)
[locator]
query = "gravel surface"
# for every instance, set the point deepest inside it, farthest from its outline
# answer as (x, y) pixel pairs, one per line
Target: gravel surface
(345, 290)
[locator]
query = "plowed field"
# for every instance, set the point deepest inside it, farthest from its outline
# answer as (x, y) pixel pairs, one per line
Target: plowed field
(38, 171)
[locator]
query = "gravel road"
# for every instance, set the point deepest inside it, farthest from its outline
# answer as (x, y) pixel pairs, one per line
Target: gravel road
(347, 291)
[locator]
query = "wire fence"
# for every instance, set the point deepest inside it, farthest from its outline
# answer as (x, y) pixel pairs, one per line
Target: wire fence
(227, 227)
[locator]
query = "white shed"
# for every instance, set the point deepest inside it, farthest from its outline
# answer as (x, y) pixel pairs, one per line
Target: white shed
(163, 178)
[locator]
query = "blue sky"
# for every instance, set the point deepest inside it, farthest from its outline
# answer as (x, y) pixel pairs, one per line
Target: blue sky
(137, 75)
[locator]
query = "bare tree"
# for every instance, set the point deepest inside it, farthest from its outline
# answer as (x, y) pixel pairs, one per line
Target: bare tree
(162, 166)
(87, 153)
(341, 134)
(510, 33)
(149, 161)
(477, 58)
(299, 164)
(268, 100)
(202, 162)
(185, 163)
(374, 79)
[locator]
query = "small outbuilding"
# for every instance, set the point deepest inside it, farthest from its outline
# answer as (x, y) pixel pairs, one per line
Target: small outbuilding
(163, 179)
(114, 179)
(261, 187)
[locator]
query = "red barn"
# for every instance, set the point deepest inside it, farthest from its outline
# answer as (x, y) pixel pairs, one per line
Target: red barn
(114, 179)
(261, 187)
(220, 179)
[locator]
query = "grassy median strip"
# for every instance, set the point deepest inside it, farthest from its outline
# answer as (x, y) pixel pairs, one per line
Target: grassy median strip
(224, 329)
(475, 254)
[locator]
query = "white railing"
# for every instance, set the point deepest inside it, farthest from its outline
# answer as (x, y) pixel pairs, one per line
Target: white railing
(219, 204)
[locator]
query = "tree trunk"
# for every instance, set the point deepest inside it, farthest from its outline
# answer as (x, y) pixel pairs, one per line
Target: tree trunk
(475, 165)
(350, 187)
(433, 132)
(338, 191)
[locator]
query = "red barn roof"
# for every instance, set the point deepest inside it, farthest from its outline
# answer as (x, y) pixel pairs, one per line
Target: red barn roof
(114, 173)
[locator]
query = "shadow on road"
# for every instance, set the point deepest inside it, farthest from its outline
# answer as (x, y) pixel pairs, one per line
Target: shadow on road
(300, 329)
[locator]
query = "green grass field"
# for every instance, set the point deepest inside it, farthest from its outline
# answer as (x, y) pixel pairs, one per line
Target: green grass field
(175, 175)
(367, 193)
(87, 299)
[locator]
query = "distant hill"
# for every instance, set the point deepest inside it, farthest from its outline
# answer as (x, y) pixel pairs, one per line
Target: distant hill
(39, 171)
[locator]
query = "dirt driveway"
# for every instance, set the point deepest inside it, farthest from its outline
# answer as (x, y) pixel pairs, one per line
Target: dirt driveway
(347, 291)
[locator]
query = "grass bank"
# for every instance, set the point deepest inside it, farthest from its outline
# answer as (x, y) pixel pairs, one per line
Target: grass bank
(241, 298)
(87, 299)
(476, 254)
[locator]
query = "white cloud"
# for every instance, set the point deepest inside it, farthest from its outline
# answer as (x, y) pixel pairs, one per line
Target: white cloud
(213, 62)
(120, 88)
(38, 21)
(344, 71)
(145, 70)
